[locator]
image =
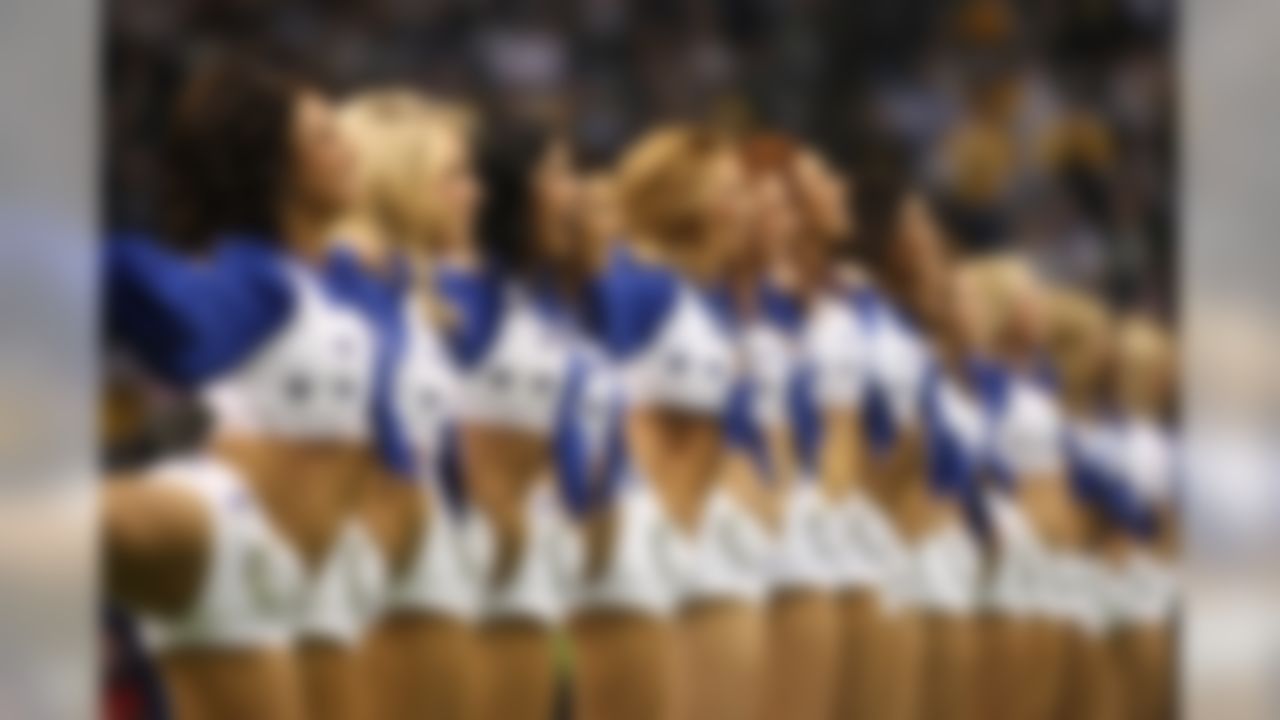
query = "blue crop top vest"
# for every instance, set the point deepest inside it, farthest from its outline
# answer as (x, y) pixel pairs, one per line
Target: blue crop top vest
(667, 339)
(380, 298)
(957, 434)
(189, 320)
(1096, 470)
(254, 331)
(650, 339)
(900, 363)
(516, 369)
(815, 361)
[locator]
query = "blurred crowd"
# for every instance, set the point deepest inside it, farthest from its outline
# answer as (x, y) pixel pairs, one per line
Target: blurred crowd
(1045, 124)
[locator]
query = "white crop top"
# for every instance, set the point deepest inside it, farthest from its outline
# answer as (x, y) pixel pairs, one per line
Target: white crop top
(837, 347)
(900, 364)
(770, 357)
(425, 391)
(962, 415)
(520, 380)
(1145, 460)
(1028, 435)
(599, 399)
(313, 380)
(689, 364)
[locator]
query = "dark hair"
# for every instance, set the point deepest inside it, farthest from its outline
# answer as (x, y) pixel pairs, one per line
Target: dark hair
(880, 195)
(227, 155)
(508, 159)
(881, 202)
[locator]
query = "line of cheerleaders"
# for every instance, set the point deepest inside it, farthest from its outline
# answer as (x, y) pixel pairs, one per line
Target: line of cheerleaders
(491, 434)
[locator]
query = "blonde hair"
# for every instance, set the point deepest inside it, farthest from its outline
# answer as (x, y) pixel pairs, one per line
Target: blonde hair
(401, 138)
(661, 183)
(1077, 339)
(1146, 359)
(1000, 283)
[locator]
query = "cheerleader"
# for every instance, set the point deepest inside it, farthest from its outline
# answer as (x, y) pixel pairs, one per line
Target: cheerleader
(804, 359)
(1080, 346)
(725, 620)
(882, 523)
(623, 590)
(1031, 505)
(219, 549)
(949, 559)
(618, 591)
(573, 253)
(516, 388)
(721, 628)
(1145, 463)
(828, 493)
(417, 661)
(672, 365)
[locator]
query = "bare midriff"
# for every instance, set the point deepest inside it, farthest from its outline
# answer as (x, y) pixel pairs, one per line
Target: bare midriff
(395, 510)
(1047, 502)
(308, 488)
